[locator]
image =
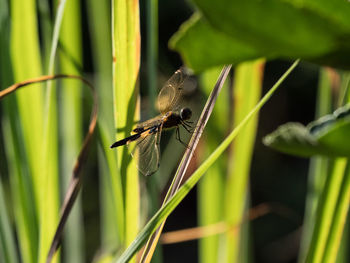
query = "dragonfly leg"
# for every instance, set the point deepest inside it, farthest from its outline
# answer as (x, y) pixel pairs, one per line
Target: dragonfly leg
(191, 128)
(187, 127)
(179, 139)
(178, 136)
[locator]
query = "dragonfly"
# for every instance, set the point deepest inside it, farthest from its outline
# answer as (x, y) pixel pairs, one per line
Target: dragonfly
(145, 138)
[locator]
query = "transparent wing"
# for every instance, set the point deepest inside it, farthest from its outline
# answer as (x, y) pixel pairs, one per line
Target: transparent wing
(151, 122)
(146, 151)
(171, 92)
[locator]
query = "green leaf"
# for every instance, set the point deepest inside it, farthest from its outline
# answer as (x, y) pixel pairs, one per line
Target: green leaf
(293, 138)
(317, 31)
(326, 136)
(192, 42)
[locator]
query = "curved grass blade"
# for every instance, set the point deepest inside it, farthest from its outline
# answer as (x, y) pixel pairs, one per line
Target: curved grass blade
(76, 179)
(71, 126)
(208, 108)
(172, 202)
(48, 212)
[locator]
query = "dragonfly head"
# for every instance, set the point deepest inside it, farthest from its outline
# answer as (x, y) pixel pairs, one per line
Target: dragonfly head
(185, 114)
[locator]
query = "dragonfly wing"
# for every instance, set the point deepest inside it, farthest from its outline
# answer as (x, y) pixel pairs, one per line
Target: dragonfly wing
(156, 121)
(146, 150)
(171, 92)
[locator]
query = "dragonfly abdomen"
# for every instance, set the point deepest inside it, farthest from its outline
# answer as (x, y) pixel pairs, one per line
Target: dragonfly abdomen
(126, 140)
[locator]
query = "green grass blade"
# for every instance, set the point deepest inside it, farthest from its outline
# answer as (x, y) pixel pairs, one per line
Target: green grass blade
(326, 209)
(71, 124)
(247, 90)
(22, 195)
(126, 63)
(210, 194)
(324, 102)
(152, 63)
(332, 197)
(49, 207)
(170, 205)
(329, 218)
(344, 98)
(26, 62)
(111, 197)
(339, 219)
(344, 94)
(21, 190)
(112, 204)
(46, 31)
(318, 166)
(56, 35)
(8, 251)
(152, 51)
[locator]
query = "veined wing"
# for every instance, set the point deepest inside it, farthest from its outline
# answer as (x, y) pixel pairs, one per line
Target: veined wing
(171, 92)
(156, 121)
(146, 150)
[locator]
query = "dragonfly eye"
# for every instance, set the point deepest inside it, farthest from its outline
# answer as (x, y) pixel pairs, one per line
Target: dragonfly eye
(185, 114)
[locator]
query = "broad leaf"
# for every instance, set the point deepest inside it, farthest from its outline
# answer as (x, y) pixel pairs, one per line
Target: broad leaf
(327, 136)
(230, 31)
(202, 47)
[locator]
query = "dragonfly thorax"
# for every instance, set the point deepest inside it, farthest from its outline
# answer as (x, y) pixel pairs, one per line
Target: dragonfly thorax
(185, 114)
